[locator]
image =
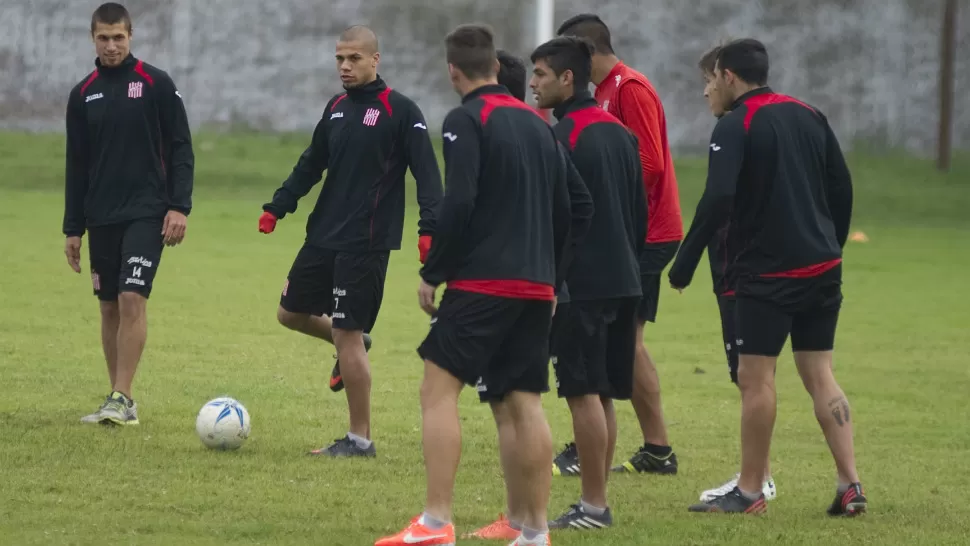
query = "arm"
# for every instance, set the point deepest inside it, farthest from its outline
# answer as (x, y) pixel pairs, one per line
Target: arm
(638, 111)
(307, 172)
(179, 160)
(76, 169)
(838, 186)
(424, 167)
(573, 214)
(641, 211)
(714, 208)
(462, 151)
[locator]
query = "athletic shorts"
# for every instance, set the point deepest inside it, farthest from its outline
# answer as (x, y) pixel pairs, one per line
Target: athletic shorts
(346, 286)
(729, 333)
(499, 345)
(593, 347)
(124, 257)
(653, 260)
(807, 309)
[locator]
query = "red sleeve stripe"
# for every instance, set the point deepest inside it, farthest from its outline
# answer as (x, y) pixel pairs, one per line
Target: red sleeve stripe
(90, 80)
(383, 97)
(140, 70)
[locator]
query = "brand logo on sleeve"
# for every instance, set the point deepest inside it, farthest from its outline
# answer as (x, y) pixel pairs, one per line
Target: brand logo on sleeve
(95, 96)
(450, 136)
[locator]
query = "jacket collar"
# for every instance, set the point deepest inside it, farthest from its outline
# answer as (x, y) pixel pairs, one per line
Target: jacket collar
(579, 101)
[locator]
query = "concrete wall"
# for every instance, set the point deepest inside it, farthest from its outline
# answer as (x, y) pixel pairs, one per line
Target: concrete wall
(870, 65)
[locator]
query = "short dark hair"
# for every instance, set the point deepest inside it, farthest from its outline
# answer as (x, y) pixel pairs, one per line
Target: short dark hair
(591, 27)
(708, 60)
(111, 13)
(471, 49)
(511, 73)
(747, 58)
(568, 53)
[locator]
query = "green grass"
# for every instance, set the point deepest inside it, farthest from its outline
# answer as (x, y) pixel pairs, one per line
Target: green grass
(902, 359)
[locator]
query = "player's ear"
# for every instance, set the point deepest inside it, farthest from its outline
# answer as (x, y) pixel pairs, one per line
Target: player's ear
(377, 58)
(496, 67)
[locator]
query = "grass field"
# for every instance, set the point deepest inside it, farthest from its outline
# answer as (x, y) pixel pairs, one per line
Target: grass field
(901, 358)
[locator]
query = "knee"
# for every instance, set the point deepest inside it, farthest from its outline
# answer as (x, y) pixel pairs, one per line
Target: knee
(110, 311)
(293, 321)
(350, 345)
(131, 305)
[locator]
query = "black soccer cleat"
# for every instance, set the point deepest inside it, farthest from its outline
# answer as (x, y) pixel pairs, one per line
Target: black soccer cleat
(644, 461)
(345, 447)
(733, 503)
(567, 462)
(577, 518)
(336, 380)
(851, 503)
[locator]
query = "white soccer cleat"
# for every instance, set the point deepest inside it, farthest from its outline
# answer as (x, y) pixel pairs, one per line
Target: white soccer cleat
(768, 489)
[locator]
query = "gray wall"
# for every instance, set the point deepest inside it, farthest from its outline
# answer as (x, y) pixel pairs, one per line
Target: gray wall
(871, 65)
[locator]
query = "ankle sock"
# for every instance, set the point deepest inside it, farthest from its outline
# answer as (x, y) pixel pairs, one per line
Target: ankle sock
(432, 522)
(657, 451)
(594, 511)
(361, 442)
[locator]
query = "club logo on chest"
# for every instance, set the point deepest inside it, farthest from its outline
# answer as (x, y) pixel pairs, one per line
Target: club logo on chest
(134, 90)
(370, 118)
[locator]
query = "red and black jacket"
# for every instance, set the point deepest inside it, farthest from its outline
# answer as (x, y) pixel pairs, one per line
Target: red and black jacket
(129, 147)
(366, 140)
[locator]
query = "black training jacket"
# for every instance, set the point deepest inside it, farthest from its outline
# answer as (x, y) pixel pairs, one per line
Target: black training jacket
(777, 172)
(507, 213)
(365, 140)
(129, 147)
(605, 153)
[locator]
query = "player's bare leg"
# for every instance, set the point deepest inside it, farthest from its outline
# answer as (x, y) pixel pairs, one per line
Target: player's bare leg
(317, 326)
(132, 334)
(831, 409)
(533, 441)
(355, 368)
(646, 396)
(609, 411)
(592, 443)
(441, 438)
(110, 318)
(756, 379)
(128, 320)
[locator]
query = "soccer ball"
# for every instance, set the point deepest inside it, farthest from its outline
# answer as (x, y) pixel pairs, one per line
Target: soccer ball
(223, 423)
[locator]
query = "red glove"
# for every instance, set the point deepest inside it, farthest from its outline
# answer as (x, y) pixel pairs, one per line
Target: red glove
(267, 222)
(424, 245)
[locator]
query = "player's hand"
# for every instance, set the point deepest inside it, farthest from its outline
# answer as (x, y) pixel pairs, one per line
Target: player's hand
(678, 288)
(173, 228)
(72, 249)
(267, 222)
(424, 246)
(426, 294)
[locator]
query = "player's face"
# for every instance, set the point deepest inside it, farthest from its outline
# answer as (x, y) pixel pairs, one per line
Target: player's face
(547, 88)
(356, 64)
(710, 90)
(112, 43)
(721, 90)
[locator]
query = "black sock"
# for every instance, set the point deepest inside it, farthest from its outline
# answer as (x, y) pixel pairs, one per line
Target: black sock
(657, 451)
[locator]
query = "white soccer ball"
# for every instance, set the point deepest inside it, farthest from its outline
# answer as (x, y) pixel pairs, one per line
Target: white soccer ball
(223, 423)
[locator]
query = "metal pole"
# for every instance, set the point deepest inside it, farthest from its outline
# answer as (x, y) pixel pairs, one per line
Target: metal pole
(545, 13)
(947, 55)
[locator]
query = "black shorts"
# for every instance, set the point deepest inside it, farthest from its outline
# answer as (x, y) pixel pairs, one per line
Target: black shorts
(499, 345)
(807, 309)
(654, 258)
(124, 257)
(592, 344)
(346, 286)
(729, 333)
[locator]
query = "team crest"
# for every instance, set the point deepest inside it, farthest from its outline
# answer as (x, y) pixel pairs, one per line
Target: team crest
(370, 118)
(134, 90)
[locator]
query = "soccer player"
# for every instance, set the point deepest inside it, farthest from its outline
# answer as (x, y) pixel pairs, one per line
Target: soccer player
(777, 171)
(629, 96)
(511, 73)
(593, 335)
(365, 140)
(128, 183)
(717, 254)
(503, 226)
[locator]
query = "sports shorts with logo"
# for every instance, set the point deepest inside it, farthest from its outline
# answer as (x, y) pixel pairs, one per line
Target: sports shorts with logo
(593, 347)
(499, 345)
(771, 309)
(653, 259)
(729, 332)
(346, 286)
(124, 257)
